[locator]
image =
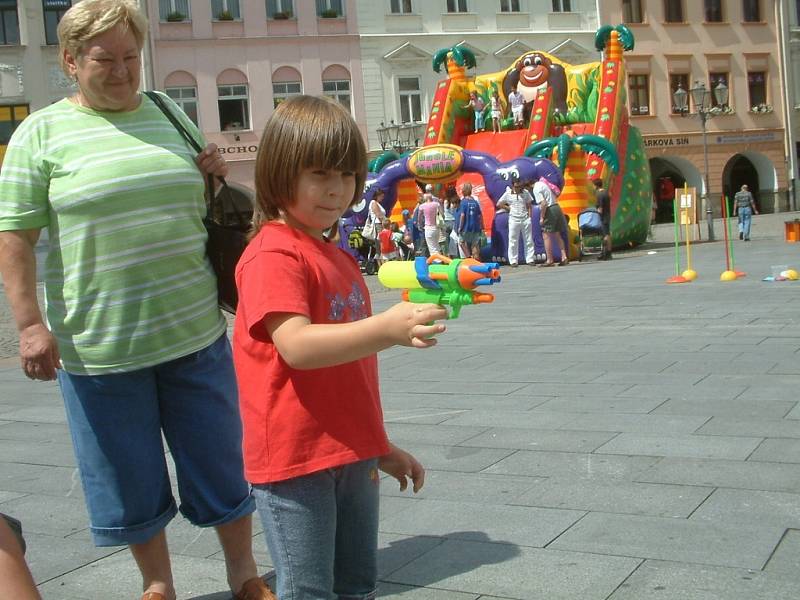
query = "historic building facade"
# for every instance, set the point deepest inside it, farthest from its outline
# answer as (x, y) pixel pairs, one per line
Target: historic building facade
(230, 62)
(732, 47)
(400, 37)
(30, 76)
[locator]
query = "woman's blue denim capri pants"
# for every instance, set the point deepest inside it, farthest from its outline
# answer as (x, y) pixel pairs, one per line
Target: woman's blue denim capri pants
(116, 421)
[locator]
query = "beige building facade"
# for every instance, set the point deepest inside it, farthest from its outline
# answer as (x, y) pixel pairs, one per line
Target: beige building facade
(229, 63)
(735, 43)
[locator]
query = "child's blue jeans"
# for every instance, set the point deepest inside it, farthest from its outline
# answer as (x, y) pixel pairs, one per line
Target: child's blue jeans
(322, 532)
(478, 120)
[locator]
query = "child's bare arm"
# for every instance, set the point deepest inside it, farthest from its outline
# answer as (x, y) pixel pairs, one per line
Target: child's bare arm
(305, 345)
(401, 465)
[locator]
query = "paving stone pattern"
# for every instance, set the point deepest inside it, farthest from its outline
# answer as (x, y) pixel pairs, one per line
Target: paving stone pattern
(595, 434)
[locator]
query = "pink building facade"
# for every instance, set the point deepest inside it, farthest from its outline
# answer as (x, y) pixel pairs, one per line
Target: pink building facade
(230, 62)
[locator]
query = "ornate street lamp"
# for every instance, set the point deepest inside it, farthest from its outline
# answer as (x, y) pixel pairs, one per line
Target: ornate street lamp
(400, 137)
(701, 98)
(383, 135)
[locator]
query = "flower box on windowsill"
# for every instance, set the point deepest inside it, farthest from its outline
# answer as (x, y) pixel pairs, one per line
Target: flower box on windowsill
(761, 109)
(282, 16)
(717, 111)
(224, 16)
(176, 17)
(330, 14)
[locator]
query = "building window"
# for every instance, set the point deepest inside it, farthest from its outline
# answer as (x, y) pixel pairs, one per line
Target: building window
(757, 87)
(9, 25)
(410, 100)
(752, 11)
(329, 8)
(186, 98)
(53, 11)
(562, 5)
(225, 10)
(677, 80)
(234, 107)
(713, 11)
(284, 90)
(10, 117)
(457, 6)
(639, 94)
(714, 79)
(673, 11)
(173, 10)
(632, 11)
(509, 6)
(339, 90)
(400, 7)
(280, 9)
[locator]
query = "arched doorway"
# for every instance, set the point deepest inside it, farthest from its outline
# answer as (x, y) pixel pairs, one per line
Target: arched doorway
(738, 172)
(666, 178)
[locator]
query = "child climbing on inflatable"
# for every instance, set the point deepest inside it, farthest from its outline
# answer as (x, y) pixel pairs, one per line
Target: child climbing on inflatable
(305, 344)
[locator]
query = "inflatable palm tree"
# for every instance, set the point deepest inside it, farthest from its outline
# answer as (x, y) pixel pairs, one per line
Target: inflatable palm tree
(456, 60)
(603, 36)
(565, 144)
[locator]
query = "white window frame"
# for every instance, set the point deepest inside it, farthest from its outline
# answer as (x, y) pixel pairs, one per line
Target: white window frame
(172, 6)
(337, 94)
(232, 96)
(280, 96)
(182, 100)
(329, 7)
(398, 7)
(562, 6)
(404, 97)
(458, 7)
(510, 6)
(282, 6)
(226, 4)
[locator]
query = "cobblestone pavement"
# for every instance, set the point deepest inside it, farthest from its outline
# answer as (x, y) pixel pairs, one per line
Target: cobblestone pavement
(594, 434)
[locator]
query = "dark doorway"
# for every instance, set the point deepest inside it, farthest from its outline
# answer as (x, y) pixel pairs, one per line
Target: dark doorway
(740, 171)
(666, 179)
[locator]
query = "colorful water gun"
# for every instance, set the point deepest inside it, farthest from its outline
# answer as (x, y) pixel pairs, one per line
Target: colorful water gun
(441, 280)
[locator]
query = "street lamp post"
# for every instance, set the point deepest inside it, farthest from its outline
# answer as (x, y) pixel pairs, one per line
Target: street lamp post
(701, 98)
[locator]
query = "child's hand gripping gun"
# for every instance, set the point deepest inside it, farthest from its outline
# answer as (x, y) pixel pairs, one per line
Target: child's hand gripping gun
(441, 280)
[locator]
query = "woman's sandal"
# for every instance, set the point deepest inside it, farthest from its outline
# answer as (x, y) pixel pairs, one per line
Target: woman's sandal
(548, 264)
(563, 263)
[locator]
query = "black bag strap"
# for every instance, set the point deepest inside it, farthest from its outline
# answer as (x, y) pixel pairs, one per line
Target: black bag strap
(215, 211)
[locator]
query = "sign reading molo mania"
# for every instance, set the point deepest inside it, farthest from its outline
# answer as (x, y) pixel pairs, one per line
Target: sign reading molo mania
(439, 162)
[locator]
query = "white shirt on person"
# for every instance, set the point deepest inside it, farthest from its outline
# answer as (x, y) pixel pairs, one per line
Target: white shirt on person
(518, 204)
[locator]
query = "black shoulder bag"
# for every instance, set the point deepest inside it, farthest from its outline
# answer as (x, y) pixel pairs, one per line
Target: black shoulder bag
(227, 225)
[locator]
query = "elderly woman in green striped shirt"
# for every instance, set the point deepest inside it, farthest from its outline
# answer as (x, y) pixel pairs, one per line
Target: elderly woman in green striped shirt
(132, 329)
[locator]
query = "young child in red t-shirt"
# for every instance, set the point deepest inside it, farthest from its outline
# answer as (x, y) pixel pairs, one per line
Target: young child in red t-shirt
(305, 344)
(387, 243)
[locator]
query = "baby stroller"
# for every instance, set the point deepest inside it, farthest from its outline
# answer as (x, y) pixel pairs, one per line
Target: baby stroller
(366, 251)
(590, 228)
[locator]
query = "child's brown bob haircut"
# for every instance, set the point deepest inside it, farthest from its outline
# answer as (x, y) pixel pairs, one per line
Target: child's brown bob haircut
(304, 132)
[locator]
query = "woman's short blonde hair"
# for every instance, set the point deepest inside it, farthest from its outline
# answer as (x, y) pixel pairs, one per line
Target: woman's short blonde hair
(89, 18)
(304, 132)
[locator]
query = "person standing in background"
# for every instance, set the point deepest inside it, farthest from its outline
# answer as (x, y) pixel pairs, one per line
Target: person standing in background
(745, 206)
(603, 205)
(519, 203)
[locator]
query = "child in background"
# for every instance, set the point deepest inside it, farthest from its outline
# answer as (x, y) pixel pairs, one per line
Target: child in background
(497, 111)
(387, 243)
(305, 345)
(477, 105)
(398, 237)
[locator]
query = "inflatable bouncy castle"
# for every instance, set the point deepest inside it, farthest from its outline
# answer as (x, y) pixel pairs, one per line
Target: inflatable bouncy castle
(576, 129)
